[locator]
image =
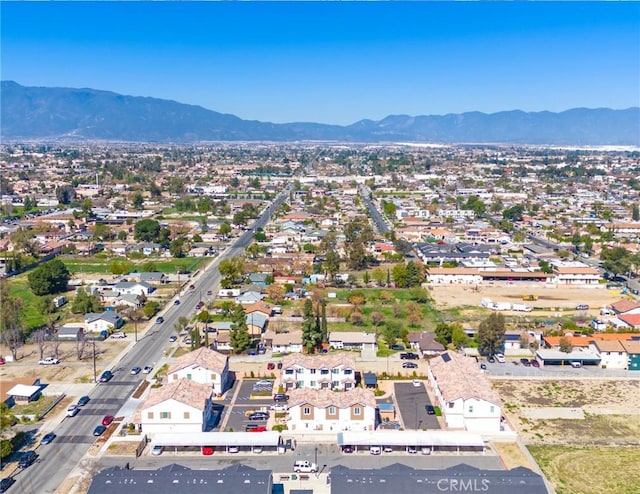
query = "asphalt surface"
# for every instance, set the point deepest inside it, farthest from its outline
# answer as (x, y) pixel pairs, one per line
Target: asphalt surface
(382, 226)
(412, 403)
(57, 460)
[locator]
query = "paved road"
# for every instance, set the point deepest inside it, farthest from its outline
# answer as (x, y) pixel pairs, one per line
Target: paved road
(379, 221)
(75, 434)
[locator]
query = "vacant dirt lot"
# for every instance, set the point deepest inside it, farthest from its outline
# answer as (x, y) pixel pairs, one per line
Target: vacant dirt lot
(69, 370)
(549, 299)
(611, 411)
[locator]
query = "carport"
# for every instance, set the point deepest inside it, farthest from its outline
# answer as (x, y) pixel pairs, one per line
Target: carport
(245, 442)
(397, 441)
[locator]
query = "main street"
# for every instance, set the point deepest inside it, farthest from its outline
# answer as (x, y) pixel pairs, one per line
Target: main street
(56, 460)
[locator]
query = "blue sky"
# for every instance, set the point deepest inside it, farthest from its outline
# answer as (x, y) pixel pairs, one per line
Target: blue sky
(333, 62)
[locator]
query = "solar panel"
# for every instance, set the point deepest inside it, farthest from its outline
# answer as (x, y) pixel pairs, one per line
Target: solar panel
(446, 357)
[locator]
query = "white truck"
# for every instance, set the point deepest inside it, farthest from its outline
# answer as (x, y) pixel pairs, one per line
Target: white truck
(521, 307)
(500, 306)
(487, 303)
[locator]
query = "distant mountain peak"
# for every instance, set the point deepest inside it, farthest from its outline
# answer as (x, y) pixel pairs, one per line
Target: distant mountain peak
(42, 112)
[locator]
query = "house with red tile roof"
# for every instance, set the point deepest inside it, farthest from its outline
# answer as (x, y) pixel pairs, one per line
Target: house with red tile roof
(464, 393)
(326, 410)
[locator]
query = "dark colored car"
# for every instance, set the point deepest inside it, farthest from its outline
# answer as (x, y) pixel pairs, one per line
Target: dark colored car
(279, 365)
(259, 416)
(347, 449)
(431, 410)
(525, 362)
(160, 320)
(483, 366)
(107, 419)
(83, 400)
(99, 430)
(409, 356)
(27, 459)
(409, 365)
(173, 338)
(176, 302)
(281, 397)
(397, 347)
(48, 438)
(6, 482)
(271, 366)
(535, 363)
(106, 376)
(490, 359)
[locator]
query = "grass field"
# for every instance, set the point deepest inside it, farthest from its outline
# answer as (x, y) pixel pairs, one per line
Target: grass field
(31, 317)
(100, 265)
(576, 470)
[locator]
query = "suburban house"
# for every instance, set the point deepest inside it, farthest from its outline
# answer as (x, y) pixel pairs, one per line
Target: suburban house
(352, 340)
(319, 371)
(425, 343)
(133, 288)
(632, 347)
(248, 298)
(256, 323)
(285, 342)
(326, 410)
(612, 353)
(464, 394)
(203, 366)
(262, 307)
(151, 277)
(575, 273)
(105, 321)
(179, 406)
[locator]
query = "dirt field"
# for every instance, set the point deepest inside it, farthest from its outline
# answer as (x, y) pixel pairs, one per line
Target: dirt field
(549, 299)
(69, 370)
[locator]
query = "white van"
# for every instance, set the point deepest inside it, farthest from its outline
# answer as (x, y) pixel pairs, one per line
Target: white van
(304, 466)
(375, 450)
(576, 365)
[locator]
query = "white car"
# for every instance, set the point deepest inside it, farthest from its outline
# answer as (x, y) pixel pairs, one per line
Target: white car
(500, 358)
(49, 361)
(73, 410)
(279, 407)
(416, 383)
(147, 369)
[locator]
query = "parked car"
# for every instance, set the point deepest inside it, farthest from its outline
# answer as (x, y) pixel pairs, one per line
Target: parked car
(271, 366)
(176, 302)
(281, 397)
(27, 459)
(106, 376)
(73, 410)
(119, 335)
(255, 428)
(535, 363)
(157, 450)
(431, 410)
(173, 338)
(83, 400)
(160, 320)
(500, 358)
(525, 362)
(147, 369)
(347, 449)
(6, 482)
(48, 438)
(99, 430)
(207, 450)
(305, 466)
(107, 419)
(233, 449)
(375, 450)
(409, 365)
(279, 365)
(397, 347)
(259, 416)
(135, 370)
(490, 359)
(2, 362)
(279, 407)
(49, 361)
(483, 366)
(417, 383)
(409, 356)
(582, 307)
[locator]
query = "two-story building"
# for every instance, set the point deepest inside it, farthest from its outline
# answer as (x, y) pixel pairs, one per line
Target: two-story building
(464, 394)
(326, 410)
(335, 371)
(203, 366)
(180, 406)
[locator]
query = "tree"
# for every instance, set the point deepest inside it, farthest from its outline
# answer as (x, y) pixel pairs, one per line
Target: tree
(310, 339)
(635, 212)
(275, 292)
(491, 334)
(514, 213)
(224, 229)
(239, 335)
(84, 303)
(49, 278)
(39, 337)
(176, 247)
(400, 275)
(565, 345)
(230, 270)
(181, 324)
(444, 334)
(10, 307)
(137, 200)
(378, 275)
(13, 339)
(357, 299)
(147, 230)
(150, 308)
(66, 194)
(391, 332)
(617, 260)
(81, 344)
(357, 233)
(331, 263)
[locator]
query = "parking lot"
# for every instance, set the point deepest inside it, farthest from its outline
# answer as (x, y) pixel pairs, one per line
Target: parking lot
(235, 412)
(412, 403)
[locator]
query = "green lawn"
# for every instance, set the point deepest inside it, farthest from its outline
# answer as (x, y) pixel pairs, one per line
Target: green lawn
(100, 265)
(31, 316)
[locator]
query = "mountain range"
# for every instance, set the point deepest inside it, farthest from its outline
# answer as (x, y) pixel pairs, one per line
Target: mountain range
(90, 114)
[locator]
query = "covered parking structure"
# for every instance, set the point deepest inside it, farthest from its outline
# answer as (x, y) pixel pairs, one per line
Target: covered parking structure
(223, 442)
(411, 441)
